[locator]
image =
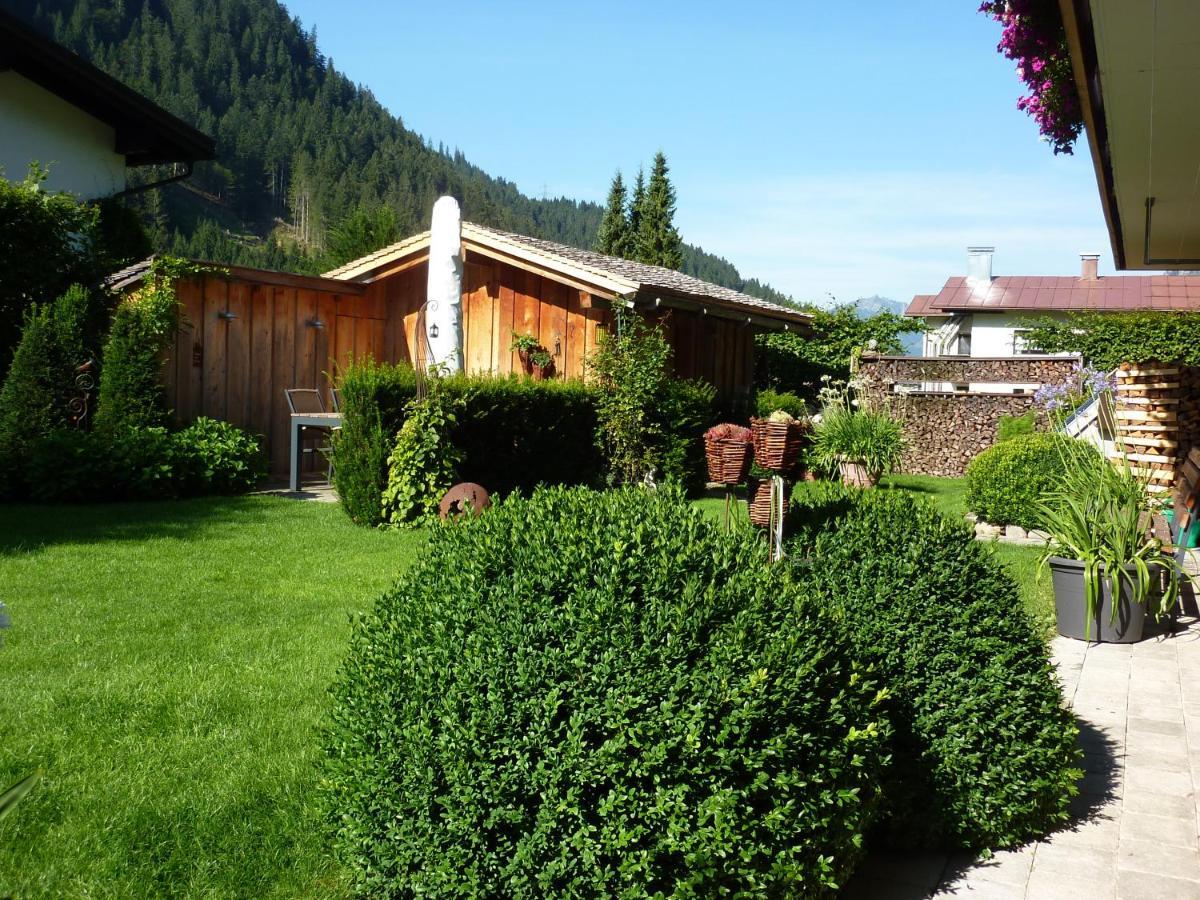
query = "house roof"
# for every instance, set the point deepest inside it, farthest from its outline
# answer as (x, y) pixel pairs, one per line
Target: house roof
(145, 132)
(133, 275)
(604, 275)
(1040, 294)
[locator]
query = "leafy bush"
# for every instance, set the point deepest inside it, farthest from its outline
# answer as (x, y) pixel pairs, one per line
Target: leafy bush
(683, 414)
(1108, 339)
(214, 457)
(1006, 482)
(985, 754)
(639, 707)
(1010, 427)
(37, 392)
(845, 434)
(373, 399)
(144, 325)
(423, 463)
(630, 369)
(767, 401)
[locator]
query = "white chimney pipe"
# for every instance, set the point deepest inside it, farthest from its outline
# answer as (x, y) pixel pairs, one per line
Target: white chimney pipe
(979, 265)
(443, 310)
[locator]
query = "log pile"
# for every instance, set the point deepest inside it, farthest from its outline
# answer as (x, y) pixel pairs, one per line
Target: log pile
(1147, 414)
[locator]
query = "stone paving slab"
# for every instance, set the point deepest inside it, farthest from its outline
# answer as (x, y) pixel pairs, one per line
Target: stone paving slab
(1136, 831)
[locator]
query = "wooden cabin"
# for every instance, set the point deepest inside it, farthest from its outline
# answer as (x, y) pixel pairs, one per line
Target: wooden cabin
(247, 335)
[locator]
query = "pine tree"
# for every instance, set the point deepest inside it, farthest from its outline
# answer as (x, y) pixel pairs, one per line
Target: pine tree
(614, 235)
(636, 202)
(659, 243)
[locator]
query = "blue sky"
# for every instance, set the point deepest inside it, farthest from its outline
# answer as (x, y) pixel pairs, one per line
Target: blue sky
(827, 148)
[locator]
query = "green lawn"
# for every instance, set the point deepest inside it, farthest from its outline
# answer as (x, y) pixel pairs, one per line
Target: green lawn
(167, 669)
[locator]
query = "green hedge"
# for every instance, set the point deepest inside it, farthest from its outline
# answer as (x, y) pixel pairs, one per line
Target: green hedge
(985, 754)
(639, 706)
(1006, 482)
(514, 433)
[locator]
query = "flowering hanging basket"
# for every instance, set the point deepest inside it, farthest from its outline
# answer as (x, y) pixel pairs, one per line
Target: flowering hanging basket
(728, 450)
(777, 445)
(758, 500)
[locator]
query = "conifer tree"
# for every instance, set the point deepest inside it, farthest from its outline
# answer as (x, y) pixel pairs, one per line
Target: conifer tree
(613, 236)
(659, 243)
(636, 202)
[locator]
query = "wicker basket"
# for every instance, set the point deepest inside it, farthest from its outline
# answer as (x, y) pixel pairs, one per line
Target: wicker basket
(777, 445)
(758, 499)
(728, 460)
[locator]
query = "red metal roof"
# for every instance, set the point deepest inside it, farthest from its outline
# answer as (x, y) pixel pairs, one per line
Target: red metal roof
(1022, 293)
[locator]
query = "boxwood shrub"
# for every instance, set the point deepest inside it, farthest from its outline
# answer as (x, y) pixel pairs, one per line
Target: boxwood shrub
(514, 433)
(639, 706)
(984, 753)
(1006, 481)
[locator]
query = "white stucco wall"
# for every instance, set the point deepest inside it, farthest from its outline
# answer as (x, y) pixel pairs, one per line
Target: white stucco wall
(36, 125)
(992, 334)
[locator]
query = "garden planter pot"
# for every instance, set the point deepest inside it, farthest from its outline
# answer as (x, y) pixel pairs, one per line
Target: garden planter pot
(541, 373)
(777, 445)
(855, 474)
(523, 356)
(728, 460)
(1070, 607)
(758, 500)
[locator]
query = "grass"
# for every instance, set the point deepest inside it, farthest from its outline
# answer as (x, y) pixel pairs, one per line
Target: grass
(167, 669)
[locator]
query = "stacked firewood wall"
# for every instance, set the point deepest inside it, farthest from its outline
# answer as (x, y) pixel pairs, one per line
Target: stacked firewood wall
(1150, 421)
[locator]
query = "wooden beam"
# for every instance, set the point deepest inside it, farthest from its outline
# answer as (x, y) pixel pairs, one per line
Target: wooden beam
(396, 269)
(543, 271)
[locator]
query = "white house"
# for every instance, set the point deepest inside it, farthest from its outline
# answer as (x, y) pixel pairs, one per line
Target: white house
(85, 126)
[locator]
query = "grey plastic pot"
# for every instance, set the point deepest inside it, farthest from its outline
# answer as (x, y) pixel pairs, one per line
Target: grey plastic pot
(1070, 607)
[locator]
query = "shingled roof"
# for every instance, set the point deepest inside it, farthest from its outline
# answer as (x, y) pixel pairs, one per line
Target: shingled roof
(611, 275)
(1042, 294)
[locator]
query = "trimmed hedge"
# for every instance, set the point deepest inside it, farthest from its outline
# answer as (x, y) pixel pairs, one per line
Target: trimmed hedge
(639, 707)
(1006, 481)
(514, 433)
(984, 753)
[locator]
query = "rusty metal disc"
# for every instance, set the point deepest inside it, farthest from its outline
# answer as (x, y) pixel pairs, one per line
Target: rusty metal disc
(462, 497)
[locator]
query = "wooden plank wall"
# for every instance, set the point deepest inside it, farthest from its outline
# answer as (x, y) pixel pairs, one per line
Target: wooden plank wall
(238, 368)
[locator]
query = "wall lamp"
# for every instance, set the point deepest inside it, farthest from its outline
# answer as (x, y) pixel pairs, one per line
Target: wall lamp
(314, 323)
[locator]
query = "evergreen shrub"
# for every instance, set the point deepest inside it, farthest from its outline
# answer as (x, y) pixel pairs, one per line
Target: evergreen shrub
(639, 707)
(1010, 427)
(1007, 481)
(984, 753)
(215, 457)
(767, 401)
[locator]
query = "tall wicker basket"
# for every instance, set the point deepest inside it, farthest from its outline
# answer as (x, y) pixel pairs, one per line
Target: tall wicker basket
(777, 445)
(728, 460)
(758, 499)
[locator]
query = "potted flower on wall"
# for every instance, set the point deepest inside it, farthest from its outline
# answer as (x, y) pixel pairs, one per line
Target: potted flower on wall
(857, 443)
(524, 345)
(1109, 570)
(541, 364)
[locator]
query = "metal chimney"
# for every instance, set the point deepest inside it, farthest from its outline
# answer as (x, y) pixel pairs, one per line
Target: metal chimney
(1090, 266)
(979, 264)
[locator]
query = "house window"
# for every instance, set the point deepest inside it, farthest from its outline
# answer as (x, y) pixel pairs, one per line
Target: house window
(1022, 344)
(963, 347)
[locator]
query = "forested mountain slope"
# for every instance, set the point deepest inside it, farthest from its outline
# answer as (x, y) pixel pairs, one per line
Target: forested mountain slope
(301, 148)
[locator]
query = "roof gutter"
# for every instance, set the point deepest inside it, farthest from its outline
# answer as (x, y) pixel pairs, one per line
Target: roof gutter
(180, 176)
(1081, 40)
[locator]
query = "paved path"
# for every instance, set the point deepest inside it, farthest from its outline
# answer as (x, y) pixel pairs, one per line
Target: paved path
(1136, 818)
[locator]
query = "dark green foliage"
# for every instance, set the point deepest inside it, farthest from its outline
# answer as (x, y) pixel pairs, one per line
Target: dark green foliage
(514, 433)
(640, 706)
(658, 241)
(1010, 427)
(614, 237)
(45, 241)
(144, 463)
(373, 399)
(214, 457)
(1108, 339)
(1006, 482)
(790, 362)
(363, 230)
(766, 401)
(143, 327)
(424, 461)
(298, 141)
(683, 413)
(985, 755)
(37, 392)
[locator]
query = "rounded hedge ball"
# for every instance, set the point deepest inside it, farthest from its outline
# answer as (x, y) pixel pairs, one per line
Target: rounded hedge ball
(600, 694)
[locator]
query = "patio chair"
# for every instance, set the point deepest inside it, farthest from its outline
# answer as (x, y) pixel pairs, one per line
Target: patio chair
(314, 439)
(335, 399)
